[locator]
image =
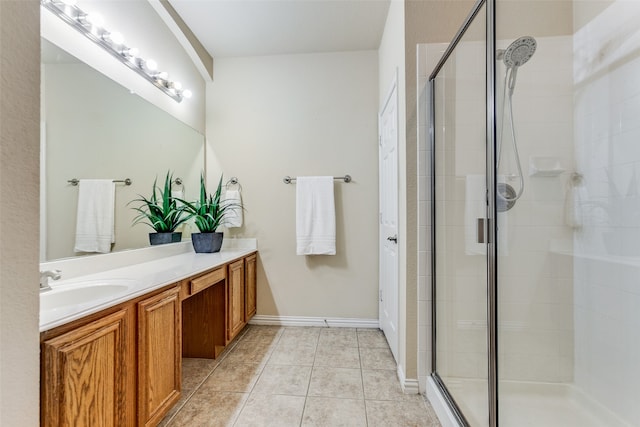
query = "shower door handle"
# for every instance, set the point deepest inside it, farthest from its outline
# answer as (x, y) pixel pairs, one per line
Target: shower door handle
(482, 235)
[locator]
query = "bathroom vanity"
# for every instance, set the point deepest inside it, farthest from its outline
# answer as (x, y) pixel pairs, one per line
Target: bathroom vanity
(121, 365)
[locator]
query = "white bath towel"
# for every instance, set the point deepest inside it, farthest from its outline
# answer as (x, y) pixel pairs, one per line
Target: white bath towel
(475, 207)
(315, 216)
(95, 223)
(233, 214)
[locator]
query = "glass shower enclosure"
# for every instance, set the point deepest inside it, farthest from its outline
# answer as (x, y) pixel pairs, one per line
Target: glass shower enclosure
(534, 124)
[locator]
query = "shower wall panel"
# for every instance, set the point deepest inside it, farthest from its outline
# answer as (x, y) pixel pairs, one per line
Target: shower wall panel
(535, 283)
(607, 246)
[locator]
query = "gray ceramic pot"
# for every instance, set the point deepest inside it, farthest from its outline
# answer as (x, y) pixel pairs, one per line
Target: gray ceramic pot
(162, 238)
(206, 242)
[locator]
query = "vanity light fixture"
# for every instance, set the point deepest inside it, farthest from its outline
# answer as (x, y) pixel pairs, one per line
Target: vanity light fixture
(91, 25)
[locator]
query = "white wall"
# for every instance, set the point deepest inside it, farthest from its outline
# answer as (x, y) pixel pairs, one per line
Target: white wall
(19, 146)
(535, 296)
(607, 249)
(309, 114)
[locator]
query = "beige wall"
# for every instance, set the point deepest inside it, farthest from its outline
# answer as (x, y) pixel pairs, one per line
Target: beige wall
(585, 11)
(516, 18)
(309, 114)
(19, 146)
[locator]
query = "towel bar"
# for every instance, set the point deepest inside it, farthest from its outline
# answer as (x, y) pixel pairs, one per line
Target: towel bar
(288, 180)
(233, 181)
(75, 181)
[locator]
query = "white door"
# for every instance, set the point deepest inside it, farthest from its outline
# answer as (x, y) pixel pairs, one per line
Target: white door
(388, 236)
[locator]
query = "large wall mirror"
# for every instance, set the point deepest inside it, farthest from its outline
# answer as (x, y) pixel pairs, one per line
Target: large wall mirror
(93, 128)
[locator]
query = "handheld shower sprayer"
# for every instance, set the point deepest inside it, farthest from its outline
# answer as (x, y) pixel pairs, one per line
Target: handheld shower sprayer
(514, 56)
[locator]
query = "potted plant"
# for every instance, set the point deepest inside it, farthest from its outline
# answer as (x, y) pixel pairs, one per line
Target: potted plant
(162, 213)
(208, 213)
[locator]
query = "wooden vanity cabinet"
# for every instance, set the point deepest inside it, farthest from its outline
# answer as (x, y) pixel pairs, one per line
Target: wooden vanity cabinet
(250, 287)
(159, 355)
(122, 366)
(235, 302)
(86, 373)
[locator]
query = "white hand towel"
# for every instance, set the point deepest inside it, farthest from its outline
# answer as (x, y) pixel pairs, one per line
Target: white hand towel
(95, 223)
(233, 214)
(178, 194)
(315, 216)
(574, 198)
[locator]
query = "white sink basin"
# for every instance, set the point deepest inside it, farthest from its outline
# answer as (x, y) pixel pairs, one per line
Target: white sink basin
(83, 293)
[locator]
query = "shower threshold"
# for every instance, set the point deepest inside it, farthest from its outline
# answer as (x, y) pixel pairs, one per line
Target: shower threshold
(525, 404)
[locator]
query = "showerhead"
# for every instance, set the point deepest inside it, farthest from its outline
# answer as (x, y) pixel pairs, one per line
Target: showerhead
(519, 52)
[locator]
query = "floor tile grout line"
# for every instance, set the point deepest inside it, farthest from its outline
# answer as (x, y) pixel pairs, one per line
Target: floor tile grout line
(313, 364)
(197, 387)
(364, 395)
(249, 394)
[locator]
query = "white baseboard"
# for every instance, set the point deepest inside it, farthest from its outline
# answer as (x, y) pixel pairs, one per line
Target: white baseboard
(334, 322)
(409, 385)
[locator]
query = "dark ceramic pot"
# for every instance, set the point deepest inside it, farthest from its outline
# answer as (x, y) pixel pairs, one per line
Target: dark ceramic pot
(206, 242)
(162, 238)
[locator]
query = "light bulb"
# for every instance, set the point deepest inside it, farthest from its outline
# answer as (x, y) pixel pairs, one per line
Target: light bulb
(176, 85)
(116, 38)
(131, 53)
(187, 94)
(95, 19)
(151, 65)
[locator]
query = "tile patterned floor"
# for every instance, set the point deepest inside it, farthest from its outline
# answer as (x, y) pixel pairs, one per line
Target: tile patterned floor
(295, 376)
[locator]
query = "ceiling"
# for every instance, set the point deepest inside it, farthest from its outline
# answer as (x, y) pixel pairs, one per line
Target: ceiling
(229, 28)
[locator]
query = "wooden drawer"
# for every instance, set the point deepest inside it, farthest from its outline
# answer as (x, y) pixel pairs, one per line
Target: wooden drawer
(206, 280)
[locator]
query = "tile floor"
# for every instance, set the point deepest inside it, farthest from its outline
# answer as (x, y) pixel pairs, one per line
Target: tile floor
(296, 376)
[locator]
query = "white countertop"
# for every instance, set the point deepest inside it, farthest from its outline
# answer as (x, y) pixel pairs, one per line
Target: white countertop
(140, 279)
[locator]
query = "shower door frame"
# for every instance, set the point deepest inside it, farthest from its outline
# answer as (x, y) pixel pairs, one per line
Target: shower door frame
(492, 250)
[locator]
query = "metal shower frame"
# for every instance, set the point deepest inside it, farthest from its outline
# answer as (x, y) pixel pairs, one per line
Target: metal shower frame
(492, 250)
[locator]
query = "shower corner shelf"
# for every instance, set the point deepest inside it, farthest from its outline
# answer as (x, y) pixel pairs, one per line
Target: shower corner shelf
(545, 167)
(546, 172)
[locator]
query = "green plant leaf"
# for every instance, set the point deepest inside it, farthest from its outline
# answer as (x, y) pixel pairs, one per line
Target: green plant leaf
(209, 210)
(160, 211)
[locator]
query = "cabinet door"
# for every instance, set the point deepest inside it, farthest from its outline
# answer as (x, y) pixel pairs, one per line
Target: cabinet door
(236, 299)
(250, 286)
(85, 375)
(159, 355)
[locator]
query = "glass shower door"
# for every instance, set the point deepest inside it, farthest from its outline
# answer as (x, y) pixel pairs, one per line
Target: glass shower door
(568, 288)
(459, 111)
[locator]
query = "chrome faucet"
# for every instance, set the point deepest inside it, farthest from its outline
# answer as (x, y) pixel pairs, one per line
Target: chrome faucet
(44, 278)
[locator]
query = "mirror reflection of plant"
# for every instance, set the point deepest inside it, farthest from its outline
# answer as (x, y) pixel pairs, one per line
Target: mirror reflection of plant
(161, 211)
(209, 210)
